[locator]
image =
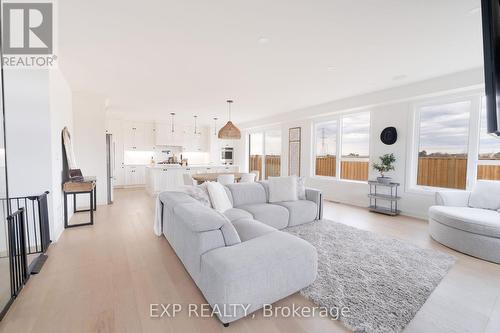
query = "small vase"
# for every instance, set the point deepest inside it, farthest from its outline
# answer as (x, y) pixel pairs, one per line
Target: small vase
(384, 180)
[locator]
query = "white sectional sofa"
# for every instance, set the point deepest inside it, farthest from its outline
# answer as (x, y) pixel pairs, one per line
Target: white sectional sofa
(240, 256)
(469, 221)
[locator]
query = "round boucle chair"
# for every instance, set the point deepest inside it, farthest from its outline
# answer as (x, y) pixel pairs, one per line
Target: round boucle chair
(459, 222)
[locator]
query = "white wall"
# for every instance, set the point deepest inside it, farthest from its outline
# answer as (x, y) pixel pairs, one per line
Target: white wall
(37, 106)
(391, 107)
(27, 118)
(61, 116)
(89, 141)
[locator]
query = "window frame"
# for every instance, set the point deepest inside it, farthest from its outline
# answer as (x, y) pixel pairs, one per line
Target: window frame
(479, 161)
(413, 142)
(339, 118)
(264, 134)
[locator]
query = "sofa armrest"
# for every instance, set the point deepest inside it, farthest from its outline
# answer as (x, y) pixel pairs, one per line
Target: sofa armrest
(453, 198)
(199, 218)
(316, 196)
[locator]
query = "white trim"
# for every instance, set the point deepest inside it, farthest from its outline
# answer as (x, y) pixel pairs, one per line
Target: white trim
(488, 162)
(339, 118)
(338, 152)
(314, 149)
(264, 132)
(340, 159)
(473, 141)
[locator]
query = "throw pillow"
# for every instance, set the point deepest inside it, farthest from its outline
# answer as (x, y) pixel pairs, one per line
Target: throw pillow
(282, 189)
(218, 197)
(301, 188)
(199, 193)
(486, 195)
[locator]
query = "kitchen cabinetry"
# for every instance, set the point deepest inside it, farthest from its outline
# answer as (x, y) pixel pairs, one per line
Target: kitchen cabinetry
(183, 136)
(135, 175)
(133, 135)
(138, 136)
(169, 178)
(166, 178)
(149, 136)
(165, 137)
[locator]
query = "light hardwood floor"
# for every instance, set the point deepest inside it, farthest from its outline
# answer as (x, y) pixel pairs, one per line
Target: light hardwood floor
(103, 279)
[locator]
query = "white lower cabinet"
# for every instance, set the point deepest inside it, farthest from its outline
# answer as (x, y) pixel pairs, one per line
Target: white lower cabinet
(163, 179)
(135, 175)
(160, 179)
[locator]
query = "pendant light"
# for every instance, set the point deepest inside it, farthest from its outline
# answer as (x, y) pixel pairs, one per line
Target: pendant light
(195, 125)
(215, 125)
(172, 114)
(229, 131)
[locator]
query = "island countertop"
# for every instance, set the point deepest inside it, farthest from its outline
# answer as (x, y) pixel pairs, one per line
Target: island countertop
(178, 166)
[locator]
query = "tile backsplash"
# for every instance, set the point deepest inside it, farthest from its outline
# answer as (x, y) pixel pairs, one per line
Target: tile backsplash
(162, 154)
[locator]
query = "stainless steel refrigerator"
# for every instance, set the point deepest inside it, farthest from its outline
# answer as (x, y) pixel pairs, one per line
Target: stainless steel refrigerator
(110, 166)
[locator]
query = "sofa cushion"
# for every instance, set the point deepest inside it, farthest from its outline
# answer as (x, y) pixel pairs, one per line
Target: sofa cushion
(234, 214)
(174, 198)
(199, 193)
(273, 215)
(301, 211)
(250, 228)
(218, 197)
(486, 194)
(247, 193)
(480, 221)
(282, 189)
(301, 188)
(199, 218)
(231, 236)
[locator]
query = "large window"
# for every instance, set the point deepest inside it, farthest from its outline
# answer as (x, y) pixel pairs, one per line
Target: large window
(256, 152)
(451, 148)
(355, 146)
(489, 151)
(443, 144)
(354, 142)
(326, 148)
(265, 153)
(272, 147)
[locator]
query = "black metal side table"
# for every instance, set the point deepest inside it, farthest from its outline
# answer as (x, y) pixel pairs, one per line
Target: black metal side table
(390, 196)
(87, 186)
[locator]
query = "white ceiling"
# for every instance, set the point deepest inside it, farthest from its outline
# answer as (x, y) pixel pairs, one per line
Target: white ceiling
(155, 57)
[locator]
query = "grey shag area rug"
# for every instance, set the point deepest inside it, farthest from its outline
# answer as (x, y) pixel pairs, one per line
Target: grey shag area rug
(382, 281)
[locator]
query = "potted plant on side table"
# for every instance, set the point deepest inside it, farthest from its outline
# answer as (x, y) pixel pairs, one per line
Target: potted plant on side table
(386, 164)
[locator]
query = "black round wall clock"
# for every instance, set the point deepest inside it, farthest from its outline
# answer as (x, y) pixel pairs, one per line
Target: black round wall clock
(389, 135)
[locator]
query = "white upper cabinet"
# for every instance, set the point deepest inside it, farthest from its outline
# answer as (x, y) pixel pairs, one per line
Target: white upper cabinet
(138, 135)
(165, 137)
(199, 142)
(133, 135)
(149, 136)
(182, 136)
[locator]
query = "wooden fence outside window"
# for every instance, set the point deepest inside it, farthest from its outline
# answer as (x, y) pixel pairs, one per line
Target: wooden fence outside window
(446, 172)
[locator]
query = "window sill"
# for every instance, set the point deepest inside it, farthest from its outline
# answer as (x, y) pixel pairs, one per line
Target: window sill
(428, 190)
(340, 180)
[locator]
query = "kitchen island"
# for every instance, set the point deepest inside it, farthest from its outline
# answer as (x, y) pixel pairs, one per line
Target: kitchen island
(168, 177)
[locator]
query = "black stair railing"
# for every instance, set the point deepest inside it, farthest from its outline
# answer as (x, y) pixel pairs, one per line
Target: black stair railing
(36, 219)
(28, 234)
(17, 251)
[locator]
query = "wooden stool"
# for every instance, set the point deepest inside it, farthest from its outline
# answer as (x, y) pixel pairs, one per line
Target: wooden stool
(87, 186)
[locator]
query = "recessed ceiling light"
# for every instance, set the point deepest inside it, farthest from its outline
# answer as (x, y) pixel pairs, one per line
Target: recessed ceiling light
(474, 10)
(331, 68)
(263, 40)
(399, 77)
